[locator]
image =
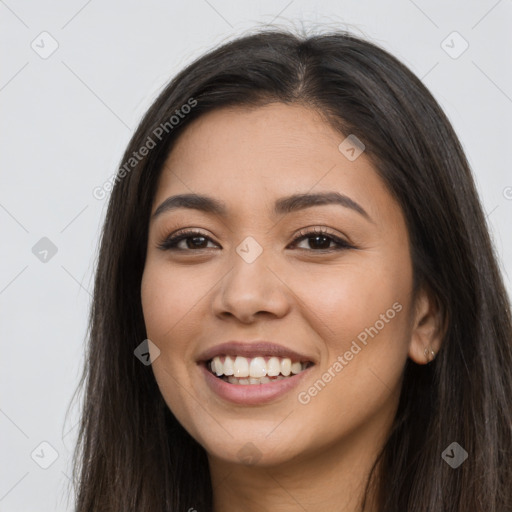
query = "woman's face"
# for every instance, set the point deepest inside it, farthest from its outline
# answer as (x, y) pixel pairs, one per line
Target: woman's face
(334, 305)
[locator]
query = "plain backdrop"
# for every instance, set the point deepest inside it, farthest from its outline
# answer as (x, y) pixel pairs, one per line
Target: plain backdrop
(76, 78)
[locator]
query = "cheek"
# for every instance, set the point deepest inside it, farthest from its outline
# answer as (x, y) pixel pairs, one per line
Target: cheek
(167, 298)
(344, 301)
(360, 314)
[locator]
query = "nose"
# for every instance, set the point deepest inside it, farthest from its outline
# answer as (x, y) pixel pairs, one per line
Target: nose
(251, 289)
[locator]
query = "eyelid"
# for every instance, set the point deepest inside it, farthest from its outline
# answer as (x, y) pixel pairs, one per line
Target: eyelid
(316, 230)
(170, 242)
(311, 231)
(178, 236)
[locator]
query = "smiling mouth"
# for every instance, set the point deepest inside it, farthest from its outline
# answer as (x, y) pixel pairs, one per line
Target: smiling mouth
(256, 370)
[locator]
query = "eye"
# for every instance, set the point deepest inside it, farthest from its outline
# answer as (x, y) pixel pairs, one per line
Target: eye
(193, 240)
(319, 240)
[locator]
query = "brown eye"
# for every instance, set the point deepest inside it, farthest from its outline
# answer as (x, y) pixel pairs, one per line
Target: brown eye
(320, 240)
(194, 240)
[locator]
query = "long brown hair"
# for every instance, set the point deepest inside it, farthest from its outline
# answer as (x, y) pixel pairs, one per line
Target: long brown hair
(133, 455)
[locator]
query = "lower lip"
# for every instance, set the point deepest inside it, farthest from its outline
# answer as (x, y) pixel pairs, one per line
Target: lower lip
(252, 394)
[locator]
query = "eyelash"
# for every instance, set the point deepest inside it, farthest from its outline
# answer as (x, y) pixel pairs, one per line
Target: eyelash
(170, 243)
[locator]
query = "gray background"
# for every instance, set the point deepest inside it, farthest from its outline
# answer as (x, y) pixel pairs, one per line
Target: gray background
(66, 119)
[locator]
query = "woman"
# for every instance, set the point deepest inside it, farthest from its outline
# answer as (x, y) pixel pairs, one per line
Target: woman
(295, 243)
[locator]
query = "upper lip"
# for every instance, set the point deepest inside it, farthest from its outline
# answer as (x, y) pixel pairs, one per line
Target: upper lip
(251, 349)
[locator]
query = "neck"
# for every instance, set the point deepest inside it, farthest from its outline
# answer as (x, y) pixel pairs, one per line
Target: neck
(331, 479)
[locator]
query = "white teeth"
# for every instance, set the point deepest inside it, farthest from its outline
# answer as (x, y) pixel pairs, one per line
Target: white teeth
(241, 370)
(228, 366)
(258, 367)
(273, 367)
(296, 368)
(217, 366)
(251, 380)
(241, 367)
(286, 367)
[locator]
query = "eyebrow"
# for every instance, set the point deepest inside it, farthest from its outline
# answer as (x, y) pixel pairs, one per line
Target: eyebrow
(282, 206)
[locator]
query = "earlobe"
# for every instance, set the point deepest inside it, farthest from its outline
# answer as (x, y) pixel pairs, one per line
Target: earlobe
(427, 328)
(430, 354)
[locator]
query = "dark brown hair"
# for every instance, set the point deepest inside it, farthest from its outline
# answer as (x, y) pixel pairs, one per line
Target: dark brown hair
(133, 455)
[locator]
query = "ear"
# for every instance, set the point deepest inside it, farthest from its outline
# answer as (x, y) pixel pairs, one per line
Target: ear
(428, 327)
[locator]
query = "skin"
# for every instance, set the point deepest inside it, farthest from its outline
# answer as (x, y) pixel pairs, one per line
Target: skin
(294, 294)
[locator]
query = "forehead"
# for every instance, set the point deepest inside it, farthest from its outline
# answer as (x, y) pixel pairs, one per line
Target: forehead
(251, 137)
(248, 158)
